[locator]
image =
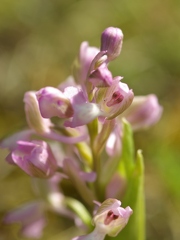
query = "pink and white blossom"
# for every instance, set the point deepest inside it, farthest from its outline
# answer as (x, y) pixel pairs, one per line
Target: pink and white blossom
(35, 158)
(144, 112)
(31, 217)
(109, 219)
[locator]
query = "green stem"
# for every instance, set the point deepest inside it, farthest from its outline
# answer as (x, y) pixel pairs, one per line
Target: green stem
(97, 169)
(93, 132)
(80, 210)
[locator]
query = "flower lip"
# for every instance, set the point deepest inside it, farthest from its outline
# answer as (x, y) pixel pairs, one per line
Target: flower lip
(110, 217)
(117, 97)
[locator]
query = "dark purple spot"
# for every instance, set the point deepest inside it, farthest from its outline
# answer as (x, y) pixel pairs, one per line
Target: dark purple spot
(110, 217)
(59, 102)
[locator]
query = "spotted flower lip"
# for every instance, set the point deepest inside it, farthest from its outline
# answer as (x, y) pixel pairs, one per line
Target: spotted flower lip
(115, 99)
(112, 97)
(111, 218)
(35, 158)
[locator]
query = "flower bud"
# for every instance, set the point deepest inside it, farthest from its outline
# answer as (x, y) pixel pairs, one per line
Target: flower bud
(111, 41)
(52, 102)
(35, 158)
(33, 116)
(111, 218)
(144, 112)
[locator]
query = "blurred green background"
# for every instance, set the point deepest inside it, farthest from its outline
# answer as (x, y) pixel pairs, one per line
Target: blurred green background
(39, 40)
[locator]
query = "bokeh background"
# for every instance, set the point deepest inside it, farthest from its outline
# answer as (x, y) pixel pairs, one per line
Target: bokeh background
(39, 40)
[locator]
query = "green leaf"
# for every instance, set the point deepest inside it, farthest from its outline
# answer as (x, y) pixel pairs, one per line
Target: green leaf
(134, 198)
(126, 163)
(80, 210)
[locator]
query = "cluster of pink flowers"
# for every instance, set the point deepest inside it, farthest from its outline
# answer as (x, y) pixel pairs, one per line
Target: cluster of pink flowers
(83, 114)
